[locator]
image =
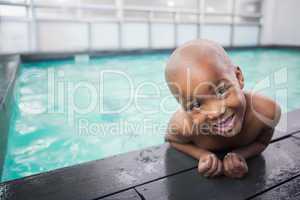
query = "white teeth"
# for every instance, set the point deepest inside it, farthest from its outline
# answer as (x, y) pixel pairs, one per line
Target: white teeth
(221, 122)
(226, 126)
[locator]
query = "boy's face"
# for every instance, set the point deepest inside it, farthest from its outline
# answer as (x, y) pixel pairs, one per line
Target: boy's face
(213, 98)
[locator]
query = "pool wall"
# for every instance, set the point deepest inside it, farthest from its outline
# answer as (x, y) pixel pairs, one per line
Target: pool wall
(42, 56)
(9, 66)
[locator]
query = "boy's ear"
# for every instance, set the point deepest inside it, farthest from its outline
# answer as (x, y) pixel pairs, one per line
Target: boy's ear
(239, 76)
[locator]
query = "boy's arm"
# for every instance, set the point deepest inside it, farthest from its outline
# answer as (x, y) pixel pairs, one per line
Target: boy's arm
(190, 149)
(209, 165)
(184, 144)
(258, 146)
(270, 111)
(235, 164)
(179, 135)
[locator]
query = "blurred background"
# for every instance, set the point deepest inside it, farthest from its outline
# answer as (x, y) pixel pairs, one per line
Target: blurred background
(79, 25)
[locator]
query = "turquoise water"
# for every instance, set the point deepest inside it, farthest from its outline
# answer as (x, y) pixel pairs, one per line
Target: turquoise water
(66, 112)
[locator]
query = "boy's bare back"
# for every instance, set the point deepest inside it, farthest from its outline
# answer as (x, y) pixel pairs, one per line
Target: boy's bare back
(216, 113)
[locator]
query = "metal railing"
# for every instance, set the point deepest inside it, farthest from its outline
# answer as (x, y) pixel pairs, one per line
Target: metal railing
(200, 14)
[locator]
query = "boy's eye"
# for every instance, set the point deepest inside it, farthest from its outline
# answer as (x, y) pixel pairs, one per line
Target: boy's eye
(221, 91)
(195, 104)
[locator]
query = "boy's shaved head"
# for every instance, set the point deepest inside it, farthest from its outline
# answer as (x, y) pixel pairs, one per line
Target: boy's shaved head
(197, 53)
(203, 60)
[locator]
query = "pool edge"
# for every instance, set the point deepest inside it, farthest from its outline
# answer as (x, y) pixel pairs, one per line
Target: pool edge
(65, 55)
(9, 67)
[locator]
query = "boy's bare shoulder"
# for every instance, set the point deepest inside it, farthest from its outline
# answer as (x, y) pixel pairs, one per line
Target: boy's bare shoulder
(179, 128)
(180, 123)
(264, 108)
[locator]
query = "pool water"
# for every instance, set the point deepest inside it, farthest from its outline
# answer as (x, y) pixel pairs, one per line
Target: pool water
(68, 113)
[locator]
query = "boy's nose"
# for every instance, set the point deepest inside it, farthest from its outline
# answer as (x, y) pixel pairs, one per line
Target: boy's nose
(214, 115)
(215, 111)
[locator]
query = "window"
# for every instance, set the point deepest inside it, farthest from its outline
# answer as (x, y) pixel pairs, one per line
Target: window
(98, 14)
(136, 15)
(184, 17)
(13, 11)
(217, 19)
(190, 4)
(248, 11)
(55, 13)
(60, 3)
(248, 7)
(218, 6)
(163, 16)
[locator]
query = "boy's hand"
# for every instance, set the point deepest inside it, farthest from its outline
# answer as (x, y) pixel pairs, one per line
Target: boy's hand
(209, 165)
(235, 165)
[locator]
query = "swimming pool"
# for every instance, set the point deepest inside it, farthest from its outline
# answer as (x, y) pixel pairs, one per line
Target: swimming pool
(71, 112)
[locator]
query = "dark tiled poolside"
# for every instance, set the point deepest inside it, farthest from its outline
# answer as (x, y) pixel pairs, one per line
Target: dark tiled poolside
(162, 172)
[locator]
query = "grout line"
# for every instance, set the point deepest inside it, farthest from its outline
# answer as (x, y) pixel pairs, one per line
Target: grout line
(295, 136)
(144, 183)
(280, 138)
(140, 195)
(174, 174)
(286, 136)
(272, 187)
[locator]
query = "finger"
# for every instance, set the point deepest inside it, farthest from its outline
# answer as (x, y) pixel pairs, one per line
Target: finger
(225, 166)
(237, 163)
(219, 169)
(230, 165)
(233, 170)
(242, 165)
(242, 160)
(246, 166)
(213, 167)
(238, 167)
(204, 165)
(240, 174)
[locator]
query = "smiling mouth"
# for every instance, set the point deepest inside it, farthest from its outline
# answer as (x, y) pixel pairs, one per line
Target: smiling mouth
(225, 125)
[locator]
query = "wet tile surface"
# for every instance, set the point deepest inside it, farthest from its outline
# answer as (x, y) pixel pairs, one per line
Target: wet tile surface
(289, 124)
(287, 191)
(98, 178)
(127, 195)
(278, 163)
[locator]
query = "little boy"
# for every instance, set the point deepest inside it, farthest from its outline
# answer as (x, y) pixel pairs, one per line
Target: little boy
(216, 114)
